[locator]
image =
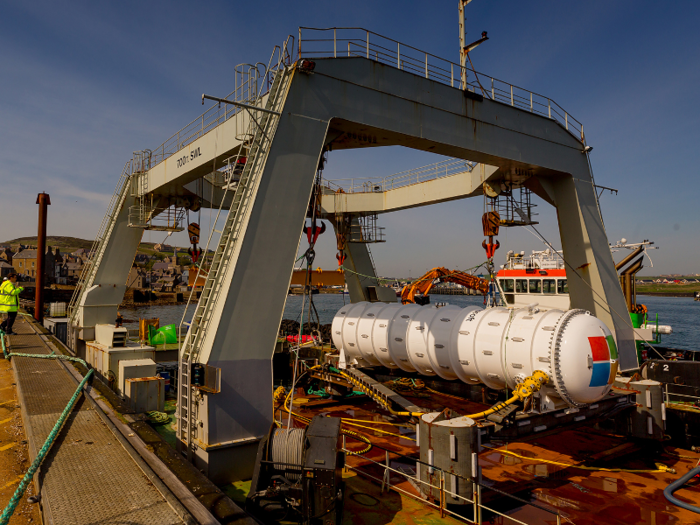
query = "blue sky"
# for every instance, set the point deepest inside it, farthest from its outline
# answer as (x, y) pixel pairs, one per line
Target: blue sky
(87, 83)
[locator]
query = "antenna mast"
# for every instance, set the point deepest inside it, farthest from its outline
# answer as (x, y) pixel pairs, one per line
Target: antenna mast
(463, 42)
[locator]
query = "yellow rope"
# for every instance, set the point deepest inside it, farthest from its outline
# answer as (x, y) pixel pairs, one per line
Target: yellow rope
(444, 394)
(343, 430)
(279, 392)
(379, 422)
(346, 422)
(660, 467)
(694, 458)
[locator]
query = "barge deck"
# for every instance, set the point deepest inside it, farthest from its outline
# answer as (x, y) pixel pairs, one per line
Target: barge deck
(620, 482)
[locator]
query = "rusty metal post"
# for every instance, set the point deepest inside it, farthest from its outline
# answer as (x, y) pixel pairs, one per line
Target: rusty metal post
(442, 493)
(43, 200)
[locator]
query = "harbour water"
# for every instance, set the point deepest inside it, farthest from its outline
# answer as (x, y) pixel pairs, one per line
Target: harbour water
(682, 313)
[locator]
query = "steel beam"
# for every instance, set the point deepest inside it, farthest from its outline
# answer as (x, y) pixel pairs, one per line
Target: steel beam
(434, 191)
(100, 302)
(245, 320)
(360, 273)
(351, 103)
(382, 105)
(201, 156)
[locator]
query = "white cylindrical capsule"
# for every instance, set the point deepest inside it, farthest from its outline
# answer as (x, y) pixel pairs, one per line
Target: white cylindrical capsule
(498, 346)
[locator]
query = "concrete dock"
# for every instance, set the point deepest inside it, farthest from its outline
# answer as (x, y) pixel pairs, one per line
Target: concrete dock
(91, 474)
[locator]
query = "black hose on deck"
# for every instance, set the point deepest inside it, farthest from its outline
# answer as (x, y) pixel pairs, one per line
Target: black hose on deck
(673, 487)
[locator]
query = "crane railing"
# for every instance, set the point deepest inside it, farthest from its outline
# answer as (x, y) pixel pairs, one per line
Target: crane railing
(335, 42)
(252, 84)
(444, 168)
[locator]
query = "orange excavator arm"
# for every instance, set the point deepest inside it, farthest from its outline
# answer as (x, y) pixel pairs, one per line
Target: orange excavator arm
(425, 283)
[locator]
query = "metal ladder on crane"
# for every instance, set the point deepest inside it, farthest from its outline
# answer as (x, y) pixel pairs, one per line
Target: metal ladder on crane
(262, 129)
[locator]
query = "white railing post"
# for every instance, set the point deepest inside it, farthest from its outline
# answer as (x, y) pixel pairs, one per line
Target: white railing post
(530, 101)
(348, 48)
(478, 495)
(511, 95)
(566, 120)
(583, 137)
(426, 65)
(493, 91)
(335, 55)
(367, 44)
(345, 466)
(452, 75)
(387, 475)
(398, 55)
(549, 107)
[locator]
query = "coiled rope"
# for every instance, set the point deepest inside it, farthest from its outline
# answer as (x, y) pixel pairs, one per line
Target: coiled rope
(288, 451)
(17, 496)
(286, 406)
(158, 418)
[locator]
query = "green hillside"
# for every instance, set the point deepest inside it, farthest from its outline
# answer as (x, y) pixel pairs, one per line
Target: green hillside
(65, 244)
(70, 244)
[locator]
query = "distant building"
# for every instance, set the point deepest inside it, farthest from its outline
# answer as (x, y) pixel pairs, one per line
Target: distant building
(73, 270)
(6, 254)
(162, 266)
(25, 264)
(138, 278)
(162, 248)
(5, 269)
(167, 283)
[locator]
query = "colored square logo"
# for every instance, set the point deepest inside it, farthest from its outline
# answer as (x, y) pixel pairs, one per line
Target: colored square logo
(601, 374)
(613, 347)
(600, 349)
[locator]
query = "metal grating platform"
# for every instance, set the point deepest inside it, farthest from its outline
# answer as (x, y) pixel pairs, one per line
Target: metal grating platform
(87, 477)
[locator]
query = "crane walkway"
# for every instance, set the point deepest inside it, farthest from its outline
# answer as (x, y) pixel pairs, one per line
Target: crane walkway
(88, 476)
(441, 182)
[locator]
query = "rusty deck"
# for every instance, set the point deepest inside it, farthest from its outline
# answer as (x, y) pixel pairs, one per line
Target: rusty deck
(581, 497)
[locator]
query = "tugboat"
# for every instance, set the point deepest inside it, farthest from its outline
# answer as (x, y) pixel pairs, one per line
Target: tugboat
(541, 278)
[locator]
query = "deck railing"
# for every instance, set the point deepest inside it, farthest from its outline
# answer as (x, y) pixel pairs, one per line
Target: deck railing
(478, 489)
(337, 42)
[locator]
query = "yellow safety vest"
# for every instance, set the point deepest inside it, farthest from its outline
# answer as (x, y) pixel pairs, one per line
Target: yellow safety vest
(9, 300)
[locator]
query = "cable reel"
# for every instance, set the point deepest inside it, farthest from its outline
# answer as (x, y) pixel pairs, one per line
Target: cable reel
(298, 474)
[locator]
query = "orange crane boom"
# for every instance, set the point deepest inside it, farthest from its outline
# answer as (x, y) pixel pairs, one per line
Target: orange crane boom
(425, 283)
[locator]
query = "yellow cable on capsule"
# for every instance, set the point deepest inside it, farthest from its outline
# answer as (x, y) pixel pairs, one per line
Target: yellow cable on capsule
(522, 391)
(378, 399)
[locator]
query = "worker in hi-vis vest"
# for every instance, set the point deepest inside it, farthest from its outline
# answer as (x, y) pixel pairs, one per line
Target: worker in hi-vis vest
(9, 302)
